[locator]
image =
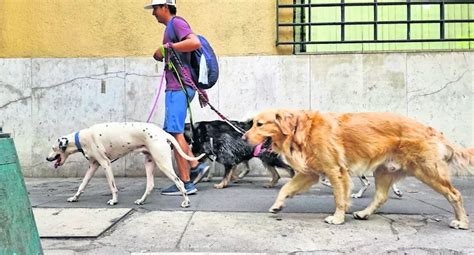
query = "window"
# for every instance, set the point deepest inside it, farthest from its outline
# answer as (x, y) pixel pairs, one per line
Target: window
(375, 25)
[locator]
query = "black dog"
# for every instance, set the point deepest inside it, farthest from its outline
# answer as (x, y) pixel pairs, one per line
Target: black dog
(219, 139)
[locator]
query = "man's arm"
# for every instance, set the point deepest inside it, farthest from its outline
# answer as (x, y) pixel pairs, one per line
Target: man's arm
(190, 43)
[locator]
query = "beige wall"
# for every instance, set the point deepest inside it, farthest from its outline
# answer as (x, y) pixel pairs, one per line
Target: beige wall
(108, 28)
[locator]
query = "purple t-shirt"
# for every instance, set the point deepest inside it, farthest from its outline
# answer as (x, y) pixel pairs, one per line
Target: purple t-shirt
(182, 29)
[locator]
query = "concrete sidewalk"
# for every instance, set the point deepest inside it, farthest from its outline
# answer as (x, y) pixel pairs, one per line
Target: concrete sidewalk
(236, 220)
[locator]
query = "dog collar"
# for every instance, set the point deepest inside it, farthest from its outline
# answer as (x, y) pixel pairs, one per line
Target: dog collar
(78, 144)
(76, 141)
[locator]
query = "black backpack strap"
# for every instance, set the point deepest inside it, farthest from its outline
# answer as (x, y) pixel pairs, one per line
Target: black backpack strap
(170, 26)
(172, 32)
(174, 38)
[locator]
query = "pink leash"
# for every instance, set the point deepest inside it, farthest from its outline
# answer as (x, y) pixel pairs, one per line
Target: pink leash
(156, 97)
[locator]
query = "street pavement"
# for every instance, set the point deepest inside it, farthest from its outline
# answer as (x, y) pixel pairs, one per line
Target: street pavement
(235, 220)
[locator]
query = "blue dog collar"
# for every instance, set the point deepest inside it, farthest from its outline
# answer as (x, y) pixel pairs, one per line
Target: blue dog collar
(76, 141)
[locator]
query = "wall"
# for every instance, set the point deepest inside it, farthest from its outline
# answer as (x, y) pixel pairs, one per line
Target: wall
(44, 98)
(65, 65)
(122, 28)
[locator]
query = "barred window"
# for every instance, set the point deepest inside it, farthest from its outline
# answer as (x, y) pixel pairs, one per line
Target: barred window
(313, 26)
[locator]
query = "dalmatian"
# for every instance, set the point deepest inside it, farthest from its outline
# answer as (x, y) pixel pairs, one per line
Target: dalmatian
(101, 144)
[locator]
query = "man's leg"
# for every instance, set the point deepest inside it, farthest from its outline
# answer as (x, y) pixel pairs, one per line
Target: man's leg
(197, 171)
(185, 146)
(175, 116)
(183, 169)
(183, 165)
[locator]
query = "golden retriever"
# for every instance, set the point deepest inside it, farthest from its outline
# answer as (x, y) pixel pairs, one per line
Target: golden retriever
(388, 145)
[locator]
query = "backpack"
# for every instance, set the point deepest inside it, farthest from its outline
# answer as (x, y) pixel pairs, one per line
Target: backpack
(204, 66)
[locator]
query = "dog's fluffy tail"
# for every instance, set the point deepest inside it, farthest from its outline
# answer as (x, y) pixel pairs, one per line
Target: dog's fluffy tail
(462, 161)
(180, 151)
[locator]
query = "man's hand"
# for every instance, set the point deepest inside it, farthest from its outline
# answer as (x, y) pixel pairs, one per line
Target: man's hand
(158, 56)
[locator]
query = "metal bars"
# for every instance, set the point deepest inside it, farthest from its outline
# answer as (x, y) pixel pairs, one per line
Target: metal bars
(408, 20)
(343, 20)
(305, 39)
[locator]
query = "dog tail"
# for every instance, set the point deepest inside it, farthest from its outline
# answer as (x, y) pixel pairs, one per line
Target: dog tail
(462, 161)
(180, 151)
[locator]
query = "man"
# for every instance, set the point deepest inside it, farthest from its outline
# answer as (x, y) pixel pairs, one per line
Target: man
(176, 97)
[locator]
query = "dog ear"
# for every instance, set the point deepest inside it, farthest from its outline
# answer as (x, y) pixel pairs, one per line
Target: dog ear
(63, 142)
(301, 126)
(285, 122)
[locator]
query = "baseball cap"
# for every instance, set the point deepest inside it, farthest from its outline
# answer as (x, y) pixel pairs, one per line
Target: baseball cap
(157, 2)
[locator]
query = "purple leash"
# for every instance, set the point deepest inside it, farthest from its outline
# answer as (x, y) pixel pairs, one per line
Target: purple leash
(155, 99)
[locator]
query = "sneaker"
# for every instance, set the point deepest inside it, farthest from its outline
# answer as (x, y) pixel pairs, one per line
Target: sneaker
(193, 173)
(174, 191)
(199, 172)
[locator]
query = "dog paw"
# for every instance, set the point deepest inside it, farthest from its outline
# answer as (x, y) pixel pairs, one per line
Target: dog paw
(459, 224)
(356, 195)
(269, 185)
(139, 202)
(72, 199)
(112, 202)
(360, 215)
(185, 204)
(219, 186)
(334, 220)
(398, 193)
(326, 183)
(275, 209)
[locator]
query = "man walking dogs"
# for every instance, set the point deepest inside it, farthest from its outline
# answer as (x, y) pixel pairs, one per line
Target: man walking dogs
(176, 98)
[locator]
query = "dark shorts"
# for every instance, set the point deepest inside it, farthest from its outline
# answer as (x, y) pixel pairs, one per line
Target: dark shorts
(176, 109)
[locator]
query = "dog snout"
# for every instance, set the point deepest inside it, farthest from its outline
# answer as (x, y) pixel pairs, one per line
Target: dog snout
(52, 158)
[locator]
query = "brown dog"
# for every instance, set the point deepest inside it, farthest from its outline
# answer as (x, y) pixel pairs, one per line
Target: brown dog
(337, 145)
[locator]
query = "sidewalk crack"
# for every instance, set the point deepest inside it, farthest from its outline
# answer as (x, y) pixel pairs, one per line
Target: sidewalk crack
(419, 200)
(178, 244)
(392, 228)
